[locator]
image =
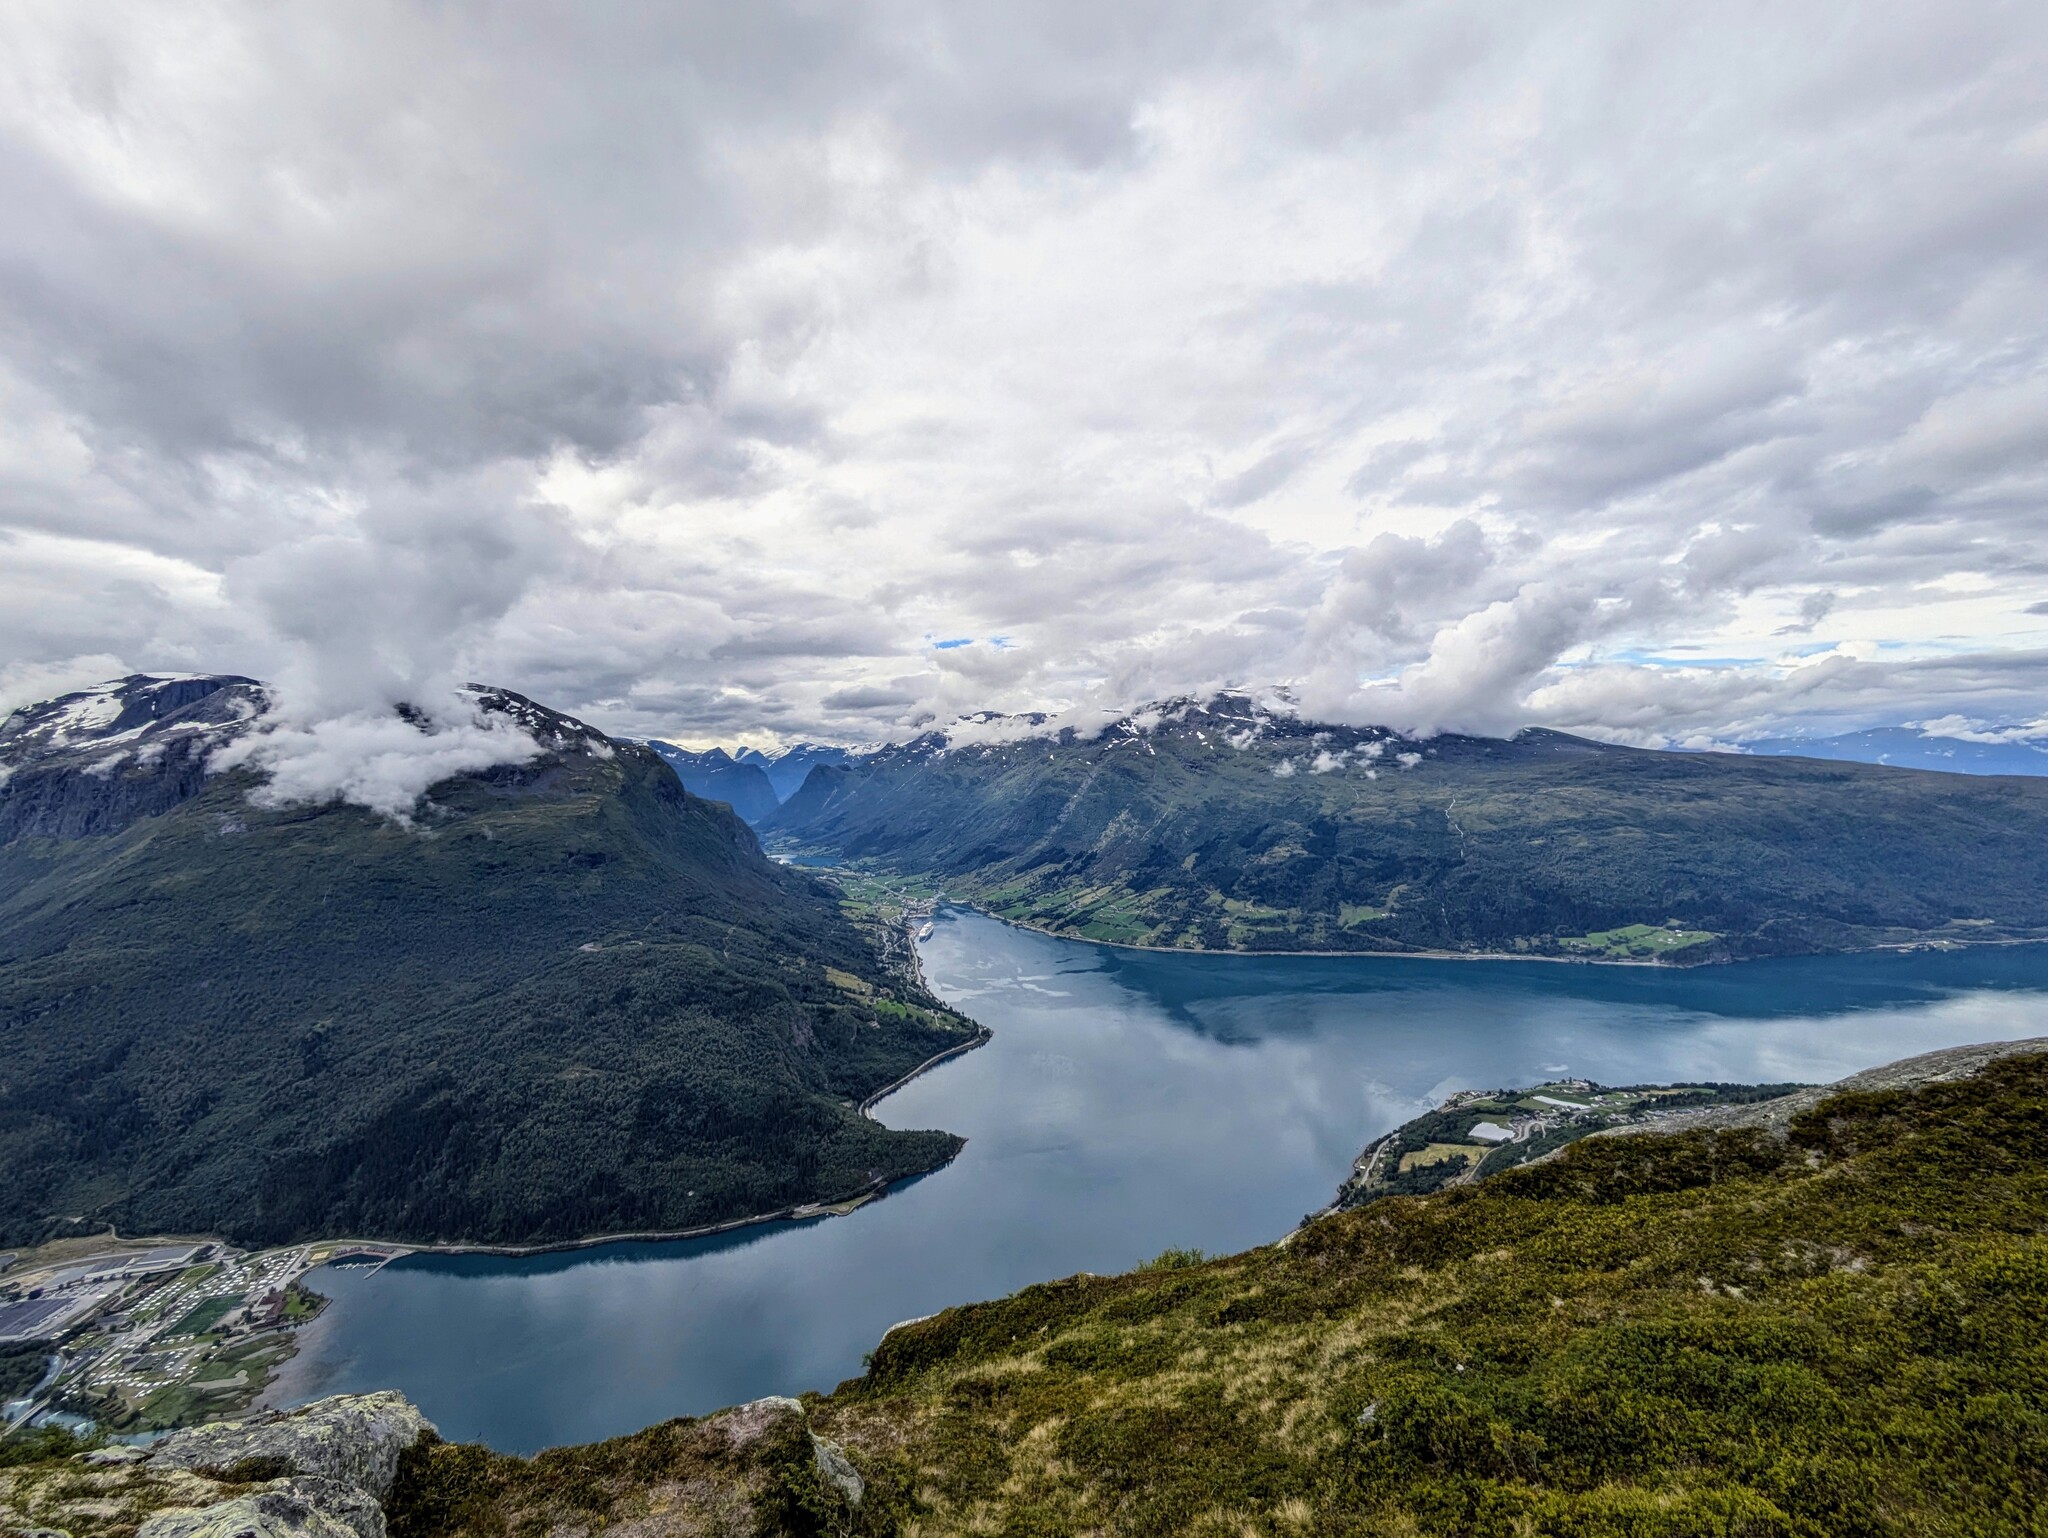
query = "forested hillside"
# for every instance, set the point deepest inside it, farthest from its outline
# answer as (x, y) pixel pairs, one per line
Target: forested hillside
(1225, 826)
(571, 999)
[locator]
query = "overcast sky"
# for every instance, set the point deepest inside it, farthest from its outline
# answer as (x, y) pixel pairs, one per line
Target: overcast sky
(729, 371)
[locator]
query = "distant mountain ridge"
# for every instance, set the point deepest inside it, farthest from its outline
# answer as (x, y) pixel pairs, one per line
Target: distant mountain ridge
(1908, 747)
(714, 775)
(573, 999)
(1228, 824)
(788, 769)
(751, 782)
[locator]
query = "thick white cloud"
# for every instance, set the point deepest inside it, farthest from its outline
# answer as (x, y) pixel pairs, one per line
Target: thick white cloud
(713, 370)
(370, 758)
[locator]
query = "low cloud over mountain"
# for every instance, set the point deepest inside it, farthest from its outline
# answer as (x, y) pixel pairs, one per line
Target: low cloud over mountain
(701, 370)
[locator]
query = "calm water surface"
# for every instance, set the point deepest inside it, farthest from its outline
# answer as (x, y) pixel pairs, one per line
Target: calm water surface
(1129, 1102)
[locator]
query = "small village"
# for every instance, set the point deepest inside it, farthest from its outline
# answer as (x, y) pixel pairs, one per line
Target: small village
(1476, 1133)
(132, 1338)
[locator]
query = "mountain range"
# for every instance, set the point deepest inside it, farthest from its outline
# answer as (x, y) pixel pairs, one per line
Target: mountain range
(1223, 824)
(751, 782)
(716, 776)
(790, 767)
(1909, 747)
(572, 998)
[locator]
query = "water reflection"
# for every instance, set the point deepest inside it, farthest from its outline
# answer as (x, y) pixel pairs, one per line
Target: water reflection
(1130, 1101)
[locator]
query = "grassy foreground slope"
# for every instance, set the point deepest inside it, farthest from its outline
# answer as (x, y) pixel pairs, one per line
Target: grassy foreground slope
(1660, 1336)
(573, 1000)
(1222, 826)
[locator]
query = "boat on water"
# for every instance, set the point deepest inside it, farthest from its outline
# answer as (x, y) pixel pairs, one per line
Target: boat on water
(925, 933)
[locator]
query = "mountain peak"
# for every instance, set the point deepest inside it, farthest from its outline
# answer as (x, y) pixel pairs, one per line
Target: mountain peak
(554, 731)
(94, 760)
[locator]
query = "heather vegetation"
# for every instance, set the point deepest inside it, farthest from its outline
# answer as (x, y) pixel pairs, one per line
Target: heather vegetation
(1658, 1336)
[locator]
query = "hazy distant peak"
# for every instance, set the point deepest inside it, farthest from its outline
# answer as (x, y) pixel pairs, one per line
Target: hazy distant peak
(2010, 751)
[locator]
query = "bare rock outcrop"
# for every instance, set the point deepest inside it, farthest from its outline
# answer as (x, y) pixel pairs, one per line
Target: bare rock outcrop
(745, 1425)
(289, 1508)
(321, 1471)
(352, 1439)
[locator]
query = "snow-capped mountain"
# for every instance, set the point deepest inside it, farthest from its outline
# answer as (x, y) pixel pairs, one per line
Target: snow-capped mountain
(95, 760)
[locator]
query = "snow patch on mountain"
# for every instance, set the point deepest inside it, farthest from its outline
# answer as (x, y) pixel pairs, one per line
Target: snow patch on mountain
(182, 728)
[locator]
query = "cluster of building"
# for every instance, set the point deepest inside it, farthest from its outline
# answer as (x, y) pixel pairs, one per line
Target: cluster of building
(147, 1335)
(49, 1304)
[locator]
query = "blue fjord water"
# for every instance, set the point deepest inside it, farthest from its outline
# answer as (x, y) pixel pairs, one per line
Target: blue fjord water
(1130, 1101)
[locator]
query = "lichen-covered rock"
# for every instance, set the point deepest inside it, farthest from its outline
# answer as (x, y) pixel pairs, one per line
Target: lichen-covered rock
(285, 1511)
(746, 1424)
(353, 1438)
(354, 1508)
(115, 1456)
(837, 1470)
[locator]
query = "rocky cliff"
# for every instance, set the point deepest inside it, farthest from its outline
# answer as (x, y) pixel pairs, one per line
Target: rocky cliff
(323, 1471)
(371, 1466)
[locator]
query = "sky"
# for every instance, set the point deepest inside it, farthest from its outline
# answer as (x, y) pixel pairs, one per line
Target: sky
(781, 371)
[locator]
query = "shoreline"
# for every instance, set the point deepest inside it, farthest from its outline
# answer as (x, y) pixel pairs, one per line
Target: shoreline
(981, 1038)
(1202, 950)
(1900, 946)
(838, 1206)
(797, 1212)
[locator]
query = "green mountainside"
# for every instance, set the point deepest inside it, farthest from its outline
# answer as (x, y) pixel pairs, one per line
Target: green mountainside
(573, 999)
(1821, 1328)
(1224, 826)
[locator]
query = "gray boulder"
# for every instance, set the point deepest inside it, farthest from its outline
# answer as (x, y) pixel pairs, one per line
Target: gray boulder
(746, 1424)
(291, 1508)
(114, 1457)
(354, 1439)
(837, 1470)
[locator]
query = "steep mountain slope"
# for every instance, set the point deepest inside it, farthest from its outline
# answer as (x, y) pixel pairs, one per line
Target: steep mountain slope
(716, 777)
(573, 999)
(1832, 1329)
(1227, 826)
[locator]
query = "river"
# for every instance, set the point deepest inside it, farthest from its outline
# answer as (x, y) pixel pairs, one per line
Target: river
(1130, 1101)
